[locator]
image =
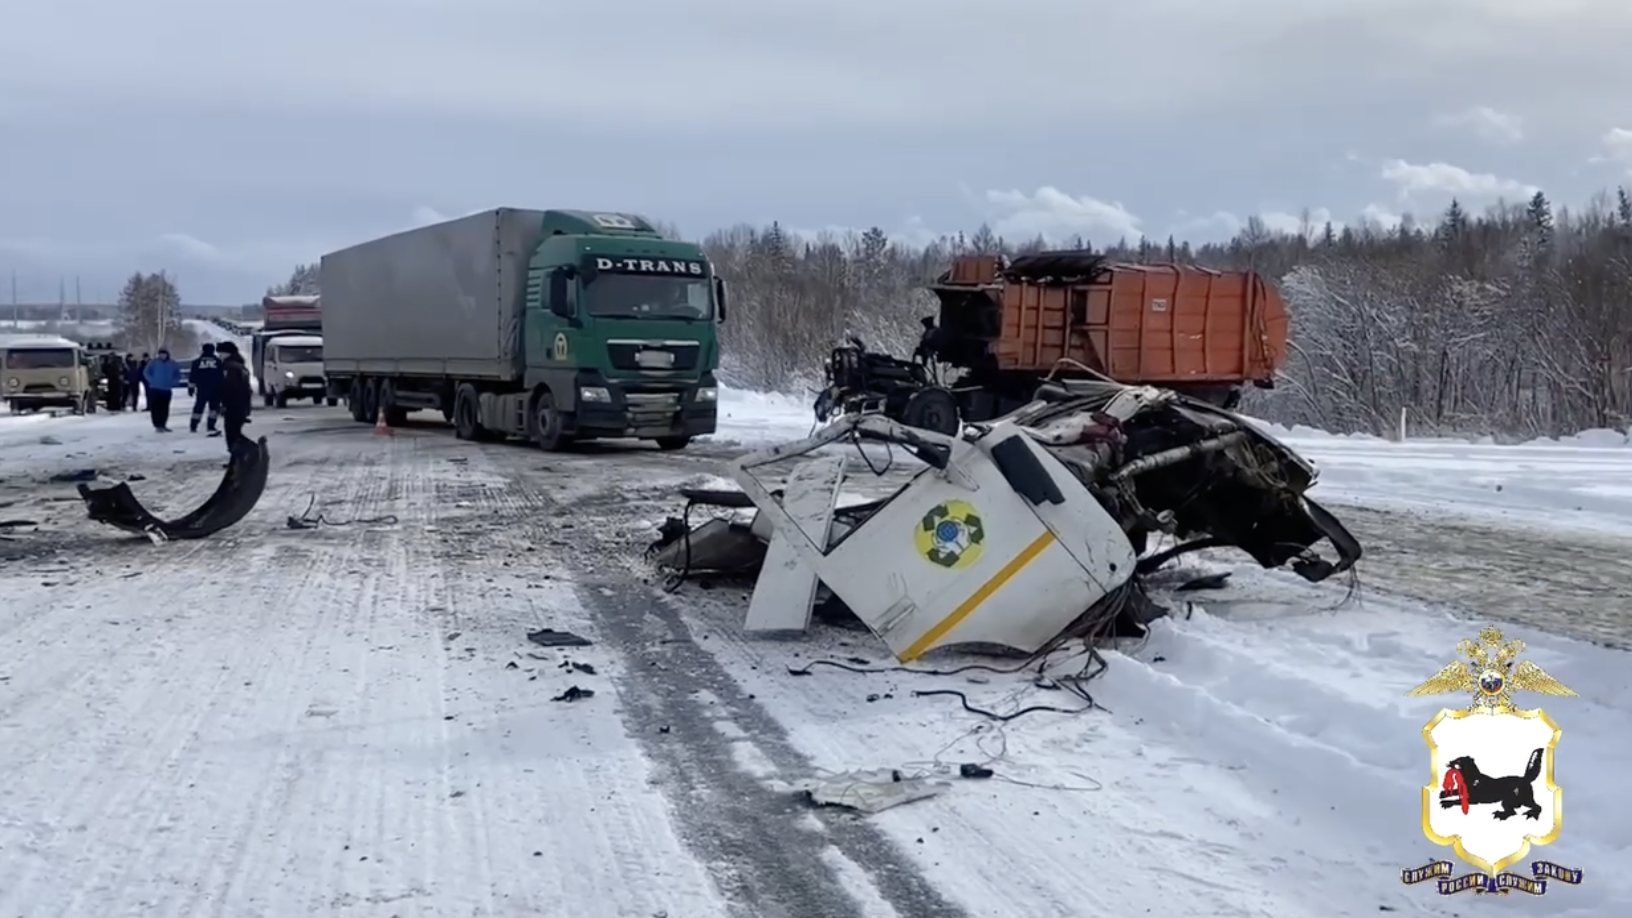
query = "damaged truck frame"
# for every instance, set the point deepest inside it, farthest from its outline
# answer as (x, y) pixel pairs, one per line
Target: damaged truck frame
(1006, 326)
(1022, 532)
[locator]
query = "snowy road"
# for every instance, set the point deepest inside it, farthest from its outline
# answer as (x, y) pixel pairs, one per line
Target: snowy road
(350, 720)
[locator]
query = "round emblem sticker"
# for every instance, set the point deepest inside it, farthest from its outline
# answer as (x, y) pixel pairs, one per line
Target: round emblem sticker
(951, 535)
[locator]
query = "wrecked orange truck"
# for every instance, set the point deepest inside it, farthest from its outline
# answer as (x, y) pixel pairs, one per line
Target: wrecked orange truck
(1008, 325)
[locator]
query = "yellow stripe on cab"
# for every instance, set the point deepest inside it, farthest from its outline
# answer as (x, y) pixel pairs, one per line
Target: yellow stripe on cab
(968, 606)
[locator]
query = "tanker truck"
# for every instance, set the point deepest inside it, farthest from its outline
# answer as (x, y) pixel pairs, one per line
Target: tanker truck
(553, 326)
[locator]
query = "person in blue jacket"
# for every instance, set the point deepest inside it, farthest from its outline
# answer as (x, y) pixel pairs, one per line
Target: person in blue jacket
(161, 376)
(204, 384)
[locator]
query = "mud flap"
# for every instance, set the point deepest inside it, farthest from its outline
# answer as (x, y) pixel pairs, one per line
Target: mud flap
(237, 494)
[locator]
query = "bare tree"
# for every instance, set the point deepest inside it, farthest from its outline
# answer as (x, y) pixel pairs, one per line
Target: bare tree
(150, 313)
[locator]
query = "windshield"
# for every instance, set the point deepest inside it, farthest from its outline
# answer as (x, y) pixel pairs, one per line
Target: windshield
(40, 358)
(292, 354)
(645, 296)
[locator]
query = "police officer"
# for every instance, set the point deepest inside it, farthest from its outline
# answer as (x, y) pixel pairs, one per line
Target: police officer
(235, 393)
(204, 382)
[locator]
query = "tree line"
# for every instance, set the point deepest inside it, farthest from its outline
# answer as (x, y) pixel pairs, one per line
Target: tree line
(1512, 322)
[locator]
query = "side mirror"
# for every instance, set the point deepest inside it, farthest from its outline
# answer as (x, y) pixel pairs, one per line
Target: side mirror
(719, 298)
(558, 294)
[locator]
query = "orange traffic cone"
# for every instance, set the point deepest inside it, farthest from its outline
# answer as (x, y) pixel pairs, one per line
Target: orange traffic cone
(380, 428)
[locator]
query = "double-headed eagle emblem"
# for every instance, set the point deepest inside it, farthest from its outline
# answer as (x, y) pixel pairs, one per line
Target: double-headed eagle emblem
(1490, 675)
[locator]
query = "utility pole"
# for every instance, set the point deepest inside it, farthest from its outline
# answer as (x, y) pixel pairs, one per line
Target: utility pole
(16, 311)
(79, 303)
(62, 301)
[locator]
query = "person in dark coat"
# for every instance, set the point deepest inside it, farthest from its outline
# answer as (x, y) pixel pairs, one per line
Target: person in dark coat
(204, 382)
(113, 373)
(162, 377)
(133, 382)
(236, 393)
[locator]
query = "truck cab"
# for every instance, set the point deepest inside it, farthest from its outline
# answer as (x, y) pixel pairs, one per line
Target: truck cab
(293, 365)
(620, 330)
(45, 372)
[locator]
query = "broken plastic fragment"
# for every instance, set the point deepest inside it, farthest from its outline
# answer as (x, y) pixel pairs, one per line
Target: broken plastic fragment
(239, 491)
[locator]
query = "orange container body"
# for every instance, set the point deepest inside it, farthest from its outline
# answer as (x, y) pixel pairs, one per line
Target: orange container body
(1157, 324)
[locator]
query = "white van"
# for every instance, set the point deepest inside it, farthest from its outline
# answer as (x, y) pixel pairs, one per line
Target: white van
(294, 370)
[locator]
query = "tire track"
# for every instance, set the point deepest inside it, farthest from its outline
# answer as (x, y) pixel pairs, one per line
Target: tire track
(1573, 585)
(766, 862)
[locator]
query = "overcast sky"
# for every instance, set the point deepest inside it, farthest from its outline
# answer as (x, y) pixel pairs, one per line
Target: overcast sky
(226, 141)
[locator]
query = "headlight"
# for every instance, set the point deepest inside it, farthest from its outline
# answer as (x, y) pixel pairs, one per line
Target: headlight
(708, 394)
(62, 381)
(12, 382)
(288, 374)
(594, 394)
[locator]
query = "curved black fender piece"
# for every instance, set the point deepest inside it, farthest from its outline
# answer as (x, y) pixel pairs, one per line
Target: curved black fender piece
(237, 494)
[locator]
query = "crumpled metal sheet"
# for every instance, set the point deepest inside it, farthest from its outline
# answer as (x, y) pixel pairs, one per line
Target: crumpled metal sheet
(234, 498)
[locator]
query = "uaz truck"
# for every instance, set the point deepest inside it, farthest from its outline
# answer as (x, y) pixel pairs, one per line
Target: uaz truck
(553, 326)
(282, 368)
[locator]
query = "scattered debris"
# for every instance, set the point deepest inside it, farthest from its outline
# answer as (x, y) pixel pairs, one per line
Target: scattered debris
(233, 499)
(574, 694)
(1022, 533)
(75, 476)
(49, 440)
(549, 637)
(868, 791)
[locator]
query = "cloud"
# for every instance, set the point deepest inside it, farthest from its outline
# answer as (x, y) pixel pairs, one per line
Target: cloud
(1381, 216)
(1487, 124)
(425, 216)
(190, 247)
(1618, 147)
(1055, 215)
(1446, 179)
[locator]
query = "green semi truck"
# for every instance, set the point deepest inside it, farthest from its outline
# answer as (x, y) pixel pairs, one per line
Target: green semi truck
(553, 326)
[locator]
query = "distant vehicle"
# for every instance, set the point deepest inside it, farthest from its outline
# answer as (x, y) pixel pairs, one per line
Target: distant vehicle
(45, 371)
(284, 316)
(294, 370)
(552, 326)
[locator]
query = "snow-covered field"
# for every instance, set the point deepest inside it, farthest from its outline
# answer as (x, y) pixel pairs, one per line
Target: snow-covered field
(350, 720)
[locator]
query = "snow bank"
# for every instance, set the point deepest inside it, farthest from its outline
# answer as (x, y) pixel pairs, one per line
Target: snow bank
(755, 418)
(1597, 438)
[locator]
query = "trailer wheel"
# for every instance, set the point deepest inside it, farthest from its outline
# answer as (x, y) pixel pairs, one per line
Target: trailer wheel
(371, 400)
(331, 402)
(548, 424)
(354, 401)
(932, 409)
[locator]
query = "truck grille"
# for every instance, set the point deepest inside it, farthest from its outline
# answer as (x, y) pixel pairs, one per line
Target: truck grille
(651, 409)
(653, 355)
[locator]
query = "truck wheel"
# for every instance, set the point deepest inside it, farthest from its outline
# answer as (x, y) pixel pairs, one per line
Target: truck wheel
(90, 405)
(371, 400)
(283, 400)
(331, 402)
(932, 409)
(467, 415)
(549, 424)
(269, 398)
(672, 443)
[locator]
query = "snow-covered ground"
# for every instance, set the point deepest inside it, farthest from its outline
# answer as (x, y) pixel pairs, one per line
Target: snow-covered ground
(350, 720)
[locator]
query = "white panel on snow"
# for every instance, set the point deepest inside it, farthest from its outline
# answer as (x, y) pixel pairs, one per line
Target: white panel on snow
(786, 587)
